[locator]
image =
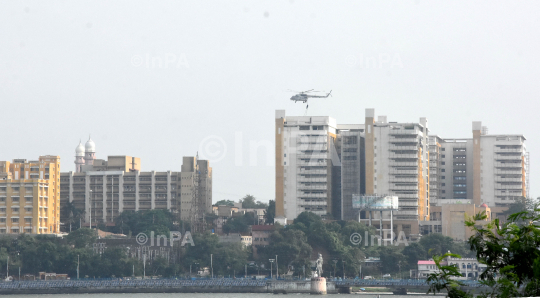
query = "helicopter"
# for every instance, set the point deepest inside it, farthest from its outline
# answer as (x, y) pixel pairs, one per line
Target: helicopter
(303, 96)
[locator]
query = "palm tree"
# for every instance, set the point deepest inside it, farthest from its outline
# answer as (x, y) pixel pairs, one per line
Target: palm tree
(71, 214)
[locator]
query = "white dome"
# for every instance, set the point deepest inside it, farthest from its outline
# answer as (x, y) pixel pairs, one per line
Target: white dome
(79, 151)
(90, 146)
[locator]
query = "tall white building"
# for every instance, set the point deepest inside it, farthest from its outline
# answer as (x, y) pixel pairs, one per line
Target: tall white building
(485, 169)
(500, 167)
(305, 155)
(397, 164)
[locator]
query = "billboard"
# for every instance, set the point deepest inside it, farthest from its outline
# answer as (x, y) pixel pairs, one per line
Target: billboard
(373, 202)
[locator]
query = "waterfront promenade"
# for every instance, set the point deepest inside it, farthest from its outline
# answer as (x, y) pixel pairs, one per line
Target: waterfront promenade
(221, 285)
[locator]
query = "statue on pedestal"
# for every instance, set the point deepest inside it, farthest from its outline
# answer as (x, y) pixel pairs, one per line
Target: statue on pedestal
(319, 263)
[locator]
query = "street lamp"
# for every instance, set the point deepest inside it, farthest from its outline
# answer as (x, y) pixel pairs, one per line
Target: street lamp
(343, 269)
(277, 269)
(335, 263)
(271, 263)
(212, 264)
(90, 203)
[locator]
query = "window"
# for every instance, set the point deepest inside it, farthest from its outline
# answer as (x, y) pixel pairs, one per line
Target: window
(443, 184)
(28, 220)
(443, 156)
(14, 220)
(442, 177)
(304, 127)
(2, 220)
(350, 140)
(443, 163)
(443, 170)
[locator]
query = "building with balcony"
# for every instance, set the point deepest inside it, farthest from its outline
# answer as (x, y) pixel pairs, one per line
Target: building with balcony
(305, 157)
(397, 164)
(490, 169)
(30, 196)
(351, 150)
(106, 188)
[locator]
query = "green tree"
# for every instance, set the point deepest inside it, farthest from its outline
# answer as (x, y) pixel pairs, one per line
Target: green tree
(144, 221)
(413, 253)
(520, 205)
(445, 278)
(390, 259)
(510, 252)
(270, 212)
(292, 249)
(239, 224)
(224, 202)
(83, 237)
(70, 216)
(248, 202)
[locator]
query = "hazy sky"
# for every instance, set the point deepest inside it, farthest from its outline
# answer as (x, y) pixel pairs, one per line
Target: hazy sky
(71, 68)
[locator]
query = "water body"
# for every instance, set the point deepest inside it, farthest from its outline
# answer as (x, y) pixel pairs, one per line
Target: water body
(215, 295)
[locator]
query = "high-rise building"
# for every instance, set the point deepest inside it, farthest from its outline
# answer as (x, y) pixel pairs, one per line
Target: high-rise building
(485, 169)
(305, 156)
(323, 167)
(397, 164)
(351, 148)
(30, 196)
(196, 186)
(105, 188)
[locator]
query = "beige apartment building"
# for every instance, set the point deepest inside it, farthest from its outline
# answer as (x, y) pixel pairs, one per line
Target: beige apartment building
(305, 157)
(30, 196)
(490, 170)
(105, 188)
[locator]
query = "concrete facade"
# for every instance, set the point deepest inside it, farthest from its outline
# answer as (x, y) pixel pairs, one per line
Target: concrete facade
(106, 188)
(304, 163)
(490, 169)
(30, 196)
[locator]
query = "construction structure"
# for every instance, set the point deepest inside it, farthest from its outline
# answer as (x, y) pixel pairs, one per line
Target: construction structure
(196, 197)
(30, 196)
(383, 206)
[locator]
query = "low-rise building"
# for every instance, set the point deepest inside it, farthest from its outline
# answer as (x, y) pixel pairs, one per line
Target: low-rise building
(469, 268)
(449, 218)
(261, 234)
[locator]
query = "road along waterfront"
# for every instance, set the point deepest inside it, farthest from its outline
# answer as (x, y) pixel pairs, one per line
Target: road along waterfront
(223, 285)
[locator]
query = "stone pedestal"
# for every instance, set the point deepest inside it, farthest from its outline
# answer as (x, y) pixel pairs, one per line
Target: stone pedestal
(318, 286)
